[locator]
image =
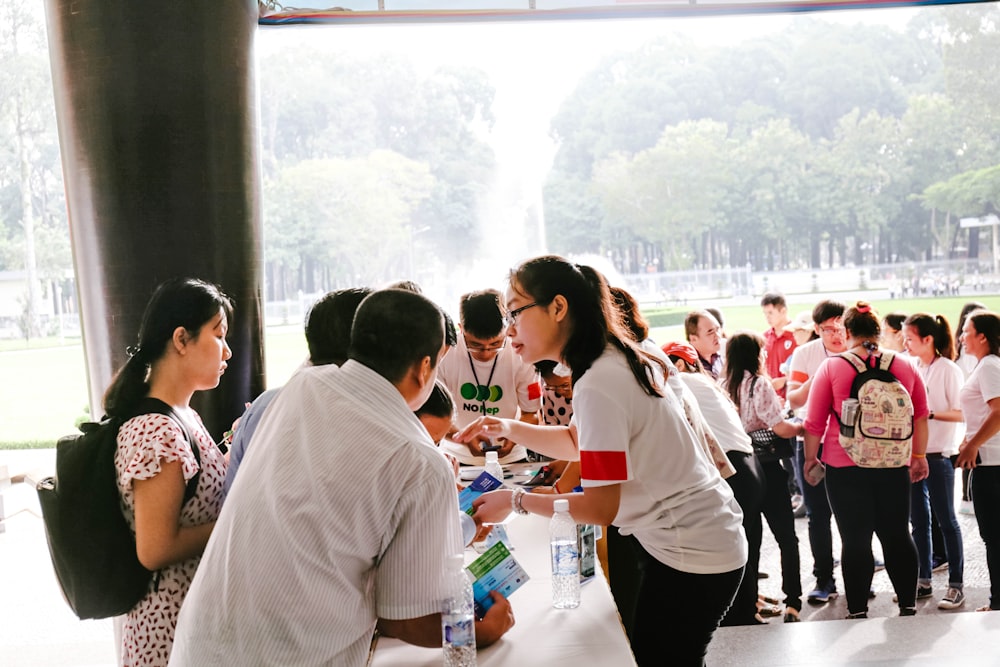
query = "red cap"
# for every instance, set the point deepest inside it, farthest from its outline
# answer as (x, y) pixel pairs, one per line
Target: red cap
(683, 350)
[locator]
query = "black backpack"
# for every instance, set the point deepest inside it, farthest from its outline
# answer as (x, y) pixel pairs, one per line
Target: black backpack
(92, 548)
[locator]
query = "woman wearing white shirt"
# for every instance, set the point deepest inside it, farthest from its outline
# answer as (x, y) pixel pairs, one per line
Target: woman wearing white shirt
(642, 469)
(928, 339)
(980, 452)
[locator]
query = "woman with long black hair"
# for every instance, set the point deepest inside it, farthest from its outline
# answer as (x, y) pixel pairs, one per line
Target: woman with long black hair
(181, 349)
(642, 469)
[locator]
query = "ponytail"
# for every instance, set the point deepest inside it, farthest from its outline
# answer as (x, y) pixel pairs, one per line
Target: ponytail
(596, 323)
(938, 328)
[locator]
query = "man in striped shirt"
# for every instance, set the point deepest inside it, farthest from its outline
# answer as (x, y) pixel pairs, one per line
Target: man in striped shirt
(343, 513)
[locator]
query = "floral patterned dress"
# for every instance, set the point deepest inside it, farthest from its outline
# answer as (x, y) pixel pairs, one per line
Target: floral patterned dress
(144, 442)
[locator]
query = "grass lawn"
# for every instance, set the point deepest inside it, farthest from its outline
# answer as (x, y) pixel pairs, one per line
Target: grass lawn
(44, 388)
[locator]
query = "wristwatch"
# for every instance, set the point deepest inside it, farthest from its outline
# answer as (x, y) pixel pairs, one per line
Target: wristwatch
(931, 415)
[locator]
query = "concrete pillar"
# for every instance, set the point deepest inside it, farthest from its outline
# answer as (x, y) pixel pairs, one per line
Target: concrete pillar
(156, 107)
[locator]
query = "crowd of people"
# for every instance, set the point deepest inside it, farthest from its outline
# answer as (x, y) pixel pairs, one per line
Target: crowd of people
(332, 515)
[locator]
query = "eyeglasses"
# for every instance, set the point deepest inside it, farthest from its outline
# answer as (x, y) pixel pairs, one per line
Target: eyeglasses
(479, 347)
(510, 319)
(829, 331)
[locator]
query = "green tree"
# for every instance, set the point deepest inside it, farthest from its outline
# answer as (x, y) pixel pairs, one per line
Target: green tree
(29, 161)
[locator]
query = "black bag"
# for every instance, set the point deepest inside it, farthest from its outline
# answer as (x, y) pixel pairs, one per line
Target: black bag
(768, 445)
(92, 548)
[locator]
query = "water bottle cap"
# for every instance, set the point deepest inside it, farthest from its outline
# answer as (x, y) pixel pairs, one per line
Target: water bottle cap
(561, 505)
(492, 456)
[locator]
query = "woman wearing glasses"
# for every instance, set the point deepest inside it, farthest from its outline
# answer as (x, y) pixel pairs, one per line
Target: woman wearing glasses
(642, 469)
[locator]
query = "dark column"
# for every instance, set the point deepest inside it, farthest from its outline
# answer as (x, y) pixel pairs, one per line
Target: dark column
(156, 106)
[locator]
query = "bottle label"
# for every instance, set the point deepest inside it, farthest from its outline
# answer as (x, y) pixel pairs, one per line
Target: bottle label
(459, 630)
(565, 558)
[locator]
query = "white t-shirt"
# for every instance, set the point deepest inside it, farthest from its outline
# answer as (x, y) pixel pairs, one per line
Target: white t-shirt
(805, 361)
(505, 389)
(943, 380)
(720, 413)
(672, 498)
(343, 512)
(981, 387)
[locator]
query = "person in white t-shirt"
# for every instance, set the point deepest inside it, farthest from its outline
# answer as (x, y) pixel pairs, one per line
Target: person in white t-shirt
(828, 323)
(980, 451)
(641, 466)
(342, 518)
(487, 378)
(928, 339)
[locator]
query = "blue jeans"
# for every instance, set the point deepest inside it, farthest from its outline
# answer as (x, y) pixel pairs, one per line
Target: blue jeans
(985, 488)
(819, 515)
(937, 493)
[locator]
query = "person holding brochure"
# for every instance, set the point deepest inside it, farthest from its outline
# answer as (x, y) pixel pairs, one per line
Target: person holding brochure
(351, 517)
(641, 467)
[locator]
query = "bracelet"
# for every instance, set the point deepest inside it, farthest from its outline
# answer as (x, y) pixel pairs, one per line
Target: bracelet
(515, 502)
(918, 456)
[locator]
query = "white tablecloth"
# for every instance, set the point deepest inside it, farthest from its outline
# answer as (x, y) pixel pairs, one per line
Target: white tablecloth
(588, 635)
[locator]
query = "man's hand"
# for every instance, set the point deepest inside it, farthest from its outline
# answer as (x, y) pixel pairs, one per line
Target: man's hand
(497, 621)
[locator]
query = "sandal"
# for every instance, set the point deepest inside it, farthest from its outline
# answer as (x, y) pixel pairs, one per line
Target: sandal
(792, 615)
(768, 611)
(986, 608)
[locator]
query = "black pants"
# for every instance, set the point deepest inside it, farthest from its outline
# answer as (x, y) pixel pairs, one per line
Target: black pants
(777, 509)
(677, 612)
(748, 487)
(985, 488)
(867, 501)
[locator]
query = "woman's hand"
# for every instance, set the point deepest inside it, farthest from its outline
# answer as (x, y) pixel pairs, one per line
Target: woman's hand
(492, 507)
(918, 469)
(484, 427)
(966, 456)
(807, 466)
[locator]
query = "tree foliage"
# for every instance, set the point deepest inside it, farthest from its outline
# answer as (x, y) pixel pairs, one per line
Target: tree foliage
(812, 147)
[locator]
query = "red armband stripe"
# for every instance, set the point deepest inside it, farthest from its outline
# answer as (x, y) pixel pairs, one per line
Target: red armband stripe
(603, 466)
(534, 391)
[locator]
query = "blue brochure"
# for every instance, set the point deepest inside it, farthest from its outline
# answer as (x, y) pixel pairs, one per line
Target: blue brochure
(485, 482)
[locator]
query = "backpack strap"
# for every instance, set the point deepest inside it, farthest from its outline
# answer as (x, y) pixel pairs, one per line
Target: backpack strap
(854, 360)
(886, 359)
(150, 405)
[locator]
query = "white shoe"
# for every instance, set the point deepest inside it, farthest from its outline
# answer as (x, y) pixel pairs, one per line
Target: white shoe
(953, 599)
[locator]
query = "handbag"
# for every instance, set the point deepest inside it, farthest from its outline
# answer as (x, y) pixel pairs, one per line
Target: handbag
(768, 445)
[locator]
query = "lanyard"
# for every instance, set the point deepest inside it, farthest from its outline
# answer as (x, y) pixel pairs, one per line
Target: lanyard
(488, 380)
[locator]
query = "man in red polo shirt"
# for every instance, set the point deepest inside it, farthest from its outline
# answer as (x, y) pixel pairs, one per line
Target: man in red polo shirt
(778, 343)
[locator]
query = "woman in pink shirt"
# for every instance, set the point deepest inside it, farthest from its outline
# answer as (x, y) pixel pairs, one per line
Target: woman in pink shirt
(867, 501)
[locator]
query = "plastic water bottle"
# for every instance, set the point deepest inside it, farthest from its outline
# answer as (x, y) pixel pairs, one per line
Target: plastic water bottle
(565, 558)
(493, 466)
(458, 630)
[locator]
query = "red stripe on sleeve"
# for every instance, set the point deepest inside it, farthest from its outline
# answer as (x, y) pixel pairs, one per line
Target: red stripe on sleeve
(603, 466)
(534, 391)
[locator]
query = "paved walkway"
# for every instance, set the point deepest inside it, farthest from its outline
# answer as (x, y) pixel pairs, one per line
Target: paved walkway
(37, 629)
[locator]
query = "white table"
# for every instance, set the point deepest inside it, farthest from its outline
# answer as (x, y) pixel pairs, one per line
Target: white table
(588, 635)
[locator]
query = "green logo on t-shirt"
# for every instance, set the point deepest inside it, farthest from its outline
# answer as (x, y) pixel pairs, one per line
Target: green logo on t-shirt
(472, 392)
